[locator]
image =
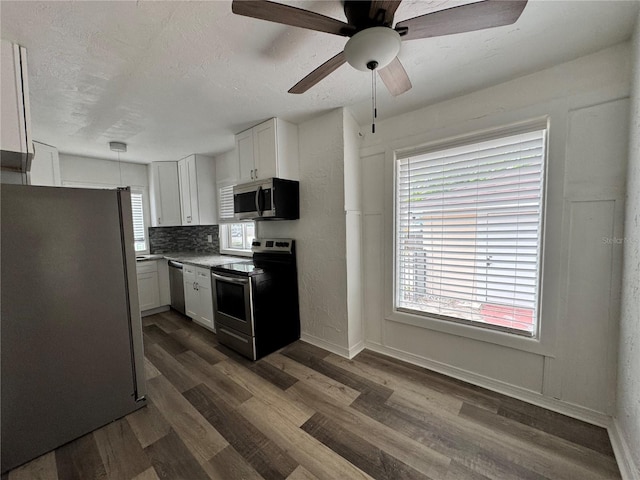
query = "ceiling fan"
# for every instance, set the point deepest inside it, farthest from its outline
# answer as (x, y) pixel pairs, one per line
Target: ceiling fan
(373, 42)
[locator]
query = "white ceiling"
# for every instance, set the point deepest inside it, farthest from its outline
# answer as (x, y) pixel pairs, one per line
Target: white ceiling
(175, 78)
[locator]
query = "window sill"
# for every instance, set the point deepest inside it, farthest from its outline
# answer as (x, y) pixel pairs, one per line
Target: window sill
(238, 253)
(532, 345)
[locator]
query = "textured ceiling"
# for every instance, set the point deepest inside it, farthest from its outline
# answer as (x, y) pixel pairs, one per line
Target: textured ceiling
(175, 78)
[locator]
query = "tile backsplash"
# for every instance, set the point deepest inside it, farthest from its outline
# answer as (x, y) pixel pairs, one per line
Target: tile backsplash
(184, 239)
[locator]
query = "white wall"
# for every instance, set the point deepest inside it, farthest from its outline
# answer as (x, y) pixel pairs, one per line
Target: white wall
(77, 171)
(571, 367)
(320, 233)
(628, 406)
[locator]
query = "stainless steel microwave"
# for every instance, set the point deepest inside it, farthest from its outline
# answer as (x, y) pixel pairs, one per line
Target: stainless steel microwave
(268, 199)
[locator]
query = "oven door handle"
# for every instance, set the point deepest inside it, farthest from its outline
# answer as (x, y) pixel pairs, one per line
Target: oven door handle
(239, 281)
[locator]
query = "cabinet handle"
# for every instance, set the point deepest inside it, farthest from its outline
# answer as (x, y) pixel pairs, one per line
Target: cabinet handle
(252, 174)
(194, 285)
(256, 173)
(159, 221)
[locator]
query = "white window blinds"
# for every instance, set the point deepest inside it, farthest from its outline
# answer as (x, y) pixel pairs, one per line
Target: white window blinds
(468, 226)
(225, 204)
(139, 236)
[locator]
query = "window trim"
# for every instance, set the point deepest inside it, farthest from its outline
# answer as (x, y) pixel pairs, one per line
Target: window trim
(544, 343)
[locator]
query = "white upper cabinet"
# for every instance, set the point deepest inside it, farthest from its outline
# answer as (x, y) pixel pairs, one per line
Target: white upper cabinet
(196, 175)
(165, 195)
(269, 149)
(15, 135)
(45, 166)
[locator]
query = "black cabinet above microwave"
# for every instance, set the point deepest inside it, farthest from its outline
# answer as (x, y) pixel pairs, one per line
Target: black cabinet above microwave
(269, 199)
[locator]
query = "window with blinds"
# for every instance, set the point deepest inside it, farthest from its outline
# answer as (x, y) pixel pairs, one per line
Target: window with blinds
(139, 236)
(468, 232)
(225, 204)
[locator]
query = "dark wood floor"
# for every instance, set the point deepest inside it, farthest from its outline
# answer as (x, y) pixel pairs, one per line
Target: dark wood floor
(304, 413)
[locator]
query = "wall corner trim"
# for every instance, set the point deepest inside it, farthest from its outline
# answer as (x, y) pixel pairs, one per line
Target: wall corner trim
(621, 449)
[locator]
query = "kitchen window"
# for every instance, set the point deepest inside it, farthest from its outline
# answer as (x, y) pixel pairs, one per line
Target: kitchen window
(235, 237)
(468, 221)
(139, 230)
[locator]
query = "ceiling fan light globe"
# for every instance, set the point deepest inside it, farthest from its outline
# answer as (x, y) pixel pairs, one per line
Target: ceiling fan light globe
(375, 44)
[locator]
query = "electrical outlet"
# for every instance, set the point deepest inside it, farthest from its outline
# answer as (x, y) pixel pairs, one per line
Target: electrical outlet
(210, 238)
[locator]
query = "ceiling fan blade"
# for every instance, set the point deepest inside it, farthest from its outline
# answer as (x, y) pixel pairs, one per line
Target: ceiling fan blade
(395, 77)
(287, 15)
(318, 74)
(464, 18)
(388, 7)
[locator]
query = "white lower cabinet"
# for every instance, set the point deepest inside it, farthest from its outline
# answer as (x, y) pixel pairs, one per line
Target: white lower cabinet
(148, 286)
(153, 285)
(197, 295)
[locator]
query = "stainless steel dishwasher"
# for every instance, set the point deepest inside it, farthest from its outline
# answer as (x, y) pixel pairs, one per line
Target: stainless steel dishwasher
(176, 284)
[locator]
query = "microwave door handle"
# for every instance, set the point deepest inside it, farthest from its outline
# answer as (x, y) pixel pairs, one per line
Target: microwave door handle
(258, 201)
(239, 281)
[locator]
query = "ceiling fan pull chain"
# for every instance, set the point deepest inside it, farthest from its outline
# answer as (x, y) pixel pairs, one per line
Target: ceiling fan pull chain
(374, 113)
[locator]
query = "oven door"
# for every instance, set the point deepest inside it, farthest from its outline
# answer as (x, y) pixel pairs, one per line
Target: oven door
(232, 302)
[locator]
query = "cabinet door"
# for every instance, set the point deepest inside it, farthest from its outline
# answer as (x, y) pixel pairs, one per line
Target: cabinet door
(185, 193)
(148, 291)
(45, 166)
(205, 300)
(265, 150)
(166, 194)
(244, 147)
(191, 300)
(193, 190)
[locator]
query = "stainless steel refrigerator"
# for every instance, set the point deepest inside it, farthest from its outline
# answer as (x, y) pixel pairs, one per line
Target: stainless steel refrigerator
(71, 335)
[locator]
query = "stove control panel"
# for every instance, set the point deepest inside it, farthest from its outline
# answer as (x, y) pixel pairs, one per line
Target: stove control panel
(272, 245)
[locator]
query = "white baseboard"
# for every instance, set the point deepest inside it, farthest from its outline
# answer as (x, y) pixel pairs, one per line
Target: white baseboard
(356, 349)
(529, 396)
(628, 470)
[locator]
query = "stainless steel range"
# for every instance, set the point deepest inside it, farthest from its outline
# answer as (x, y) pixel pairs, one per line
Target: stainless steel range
(256, 302)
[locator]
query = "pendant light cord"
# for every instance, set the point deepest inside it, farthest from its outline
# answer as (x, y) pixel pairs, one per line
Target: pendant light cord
(374, 101)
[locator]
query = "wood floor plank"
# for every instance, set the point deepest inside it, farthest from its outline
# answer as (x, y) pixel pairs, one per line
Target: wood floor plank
(590, 436)
(177, 374)
(278, 377)
(266, 391)
(196, 344)
(449, 441)
(340, 375)
(259, 451)
(42, 468)
(149, 474)
(148, 424)
(170, 321)
(543, 441)
(314, 456)
(431, 463)
(229, 390)
(120, 450)
(229, 464)
(162, 338)
(436, 381)
(302, 348)
(458, 471)
(418, 391)
(301, 473)
(195, 431)
(80, 460)
(358, 451)
(172, 459)
(150, 371)
(339, 392)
